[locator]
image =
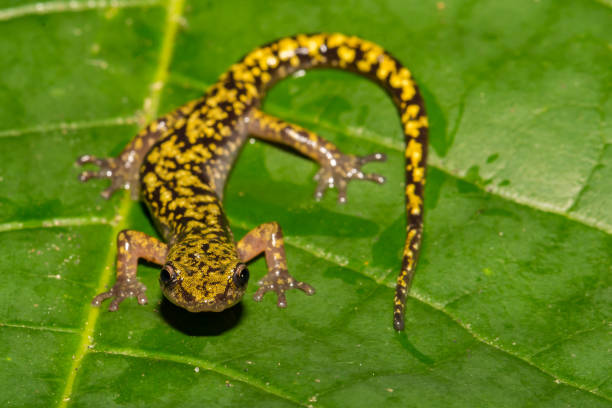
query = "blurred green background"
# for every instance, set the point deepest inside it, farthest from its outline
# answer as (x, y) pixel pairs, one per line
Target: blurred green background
(511, 304)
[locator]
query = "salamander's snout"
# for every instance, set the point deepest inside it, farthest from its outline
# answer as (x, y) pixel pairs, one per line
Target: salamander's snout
(203, 291)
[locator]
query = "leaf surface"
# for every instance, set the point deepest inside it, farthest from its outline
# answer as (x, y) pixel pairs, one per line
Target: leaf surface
(511, 304)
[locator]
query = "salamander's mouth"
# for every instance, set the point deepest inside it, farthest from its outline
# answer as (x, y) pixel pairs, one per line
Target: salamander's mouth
(205, 306)
(184, 300)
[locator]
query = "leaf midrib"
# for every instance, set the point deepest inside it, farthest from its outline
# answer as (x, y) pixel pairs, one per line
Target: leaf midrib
(174, 9)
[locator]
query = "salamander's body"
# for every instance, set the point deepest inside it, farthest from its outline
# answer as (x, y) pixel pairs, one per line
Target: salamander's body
(179, 164)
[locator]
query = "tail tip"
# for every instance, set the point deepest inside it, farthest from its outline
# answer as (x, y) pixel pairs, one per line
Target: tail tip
(398, 323)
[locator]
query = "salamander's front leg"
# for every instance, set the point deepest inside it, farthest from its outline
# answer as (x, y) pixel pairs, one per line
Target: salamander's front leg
(337, 168)
(131, 246)
(268, 238)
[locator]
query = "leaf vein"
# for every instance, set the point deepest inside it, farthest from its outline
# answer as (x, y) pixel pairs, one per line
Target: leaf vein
(66, 126)
(70, 6)
(566, 338)
(54, 223)
(40, 328)
(205, 364)
(598, 164)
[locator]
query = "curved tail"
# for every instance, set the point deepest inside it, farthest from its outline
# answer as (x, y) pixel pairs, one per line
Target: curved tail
(261, 68)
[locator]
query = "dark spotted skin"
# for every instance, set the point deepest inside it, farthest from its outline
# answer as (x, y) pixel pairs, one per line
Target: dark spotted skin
(179, 164)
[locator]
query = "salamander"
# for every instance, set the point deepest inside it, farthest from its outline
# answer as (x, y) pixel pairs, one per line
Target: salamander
(178, 165)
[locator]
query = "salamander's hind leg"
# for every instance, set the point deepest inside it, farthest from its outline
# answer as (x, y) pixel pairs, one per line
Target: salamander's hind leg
(268, 238)
(337, 168)
(123, 171)
(120, 173)
(131, 246)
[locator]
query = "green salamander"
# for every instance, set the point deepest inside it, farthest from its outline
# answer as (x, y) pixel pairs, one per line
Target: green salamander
(179, 165)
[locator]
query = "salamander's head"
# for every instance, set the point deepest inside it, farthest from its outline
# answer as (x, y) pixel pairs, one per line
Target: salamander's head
(204, 275)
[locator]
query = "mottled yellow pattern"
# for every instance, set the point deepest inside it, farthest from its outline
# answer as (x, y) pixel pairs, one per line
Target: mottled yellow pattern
(180, 164)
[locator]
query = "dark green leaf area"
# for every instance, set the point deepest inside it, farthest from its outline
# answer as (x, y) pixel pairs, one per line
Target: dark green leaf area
(77, 67)
(50, 273)
(47, 190)
(34, 365)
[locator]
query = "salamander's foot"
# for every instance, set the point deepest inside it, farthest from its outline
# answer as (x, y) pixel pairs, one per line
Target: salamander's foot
(279, 281)
(115, 169)
(123, 289)
(344, 168)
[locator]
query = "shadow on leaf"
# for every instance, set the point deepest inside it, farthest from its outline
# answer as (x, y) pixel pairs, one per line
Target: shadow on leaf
(200, 324)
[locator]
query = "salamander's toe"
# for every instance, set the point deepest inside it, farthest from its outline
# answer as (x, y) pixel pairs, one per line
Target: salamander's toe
(343, 169)
(280, 281)
(380, 157)
(121, 175)
(121, 290)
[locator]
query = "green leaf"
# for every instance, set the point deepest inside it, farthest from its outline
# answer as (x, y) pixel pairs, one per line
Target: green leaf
(511, 304)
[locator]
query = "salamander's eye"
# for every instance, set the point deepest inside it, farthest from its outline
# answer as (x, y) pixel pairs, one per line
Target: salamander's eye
(241, 275)
(167, 274)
